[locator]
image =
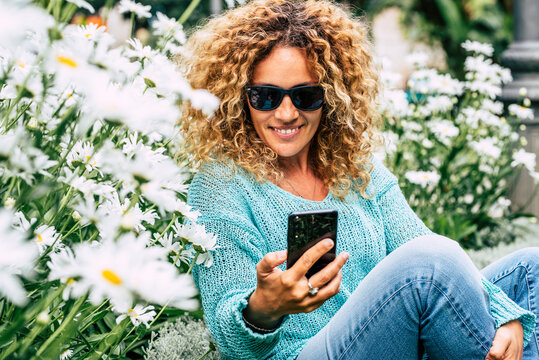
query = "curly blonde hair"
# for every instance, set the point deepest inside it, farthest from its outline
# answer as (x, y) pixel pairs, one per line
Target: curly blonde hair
(221, 57)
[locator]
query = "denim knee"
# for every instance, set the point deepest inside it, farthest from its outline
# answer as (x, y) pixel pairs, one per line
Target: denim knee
(436, 255)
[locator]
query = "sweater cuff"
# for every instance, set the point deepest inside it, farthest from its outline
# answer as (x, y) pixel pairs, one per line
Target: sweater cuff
(255, 342)
(503, 310)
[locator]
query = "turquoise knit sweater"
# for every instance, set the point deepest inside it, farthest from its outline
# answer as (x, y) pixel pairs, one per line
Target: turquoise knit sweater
(250, 220)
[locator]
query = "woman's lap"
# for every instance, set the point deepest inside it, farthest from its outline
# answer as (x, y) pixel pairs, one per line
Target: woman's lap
(428, 284)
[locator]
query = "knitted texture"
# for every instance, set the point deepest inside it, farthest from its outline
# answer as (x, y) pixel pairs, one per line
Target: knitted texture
(251, 219)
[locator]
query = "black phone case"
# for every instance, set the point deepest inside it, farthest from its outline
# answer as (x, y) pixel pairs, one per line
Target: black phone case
(305, 229)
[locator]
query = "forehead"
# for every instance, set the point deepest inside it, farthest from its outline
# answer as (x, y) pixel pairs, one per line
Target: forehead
(284, 67)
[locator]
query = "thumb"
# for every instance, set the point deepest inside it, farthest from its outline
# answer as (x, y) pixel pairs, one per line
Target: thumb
(497, 349)
(270, 261)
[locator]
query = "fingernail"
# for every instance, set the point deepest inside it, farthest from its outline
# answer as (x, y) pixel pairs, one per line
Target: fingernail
(328, 242)
(345, 255)
(281, 254)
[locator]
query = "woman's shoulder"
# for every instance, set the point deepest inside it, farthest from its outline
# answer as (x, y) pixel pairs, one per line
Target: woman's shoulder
(217, 184)
(381, 177)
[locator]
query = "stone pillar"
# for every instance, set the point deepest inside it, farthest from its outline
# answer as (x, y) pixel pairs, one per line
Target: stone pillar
(216, 6)
(522, 58)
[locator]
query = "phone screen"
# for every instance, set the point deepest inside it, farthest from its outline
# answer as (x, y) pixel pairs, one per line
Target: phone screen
(305, 229)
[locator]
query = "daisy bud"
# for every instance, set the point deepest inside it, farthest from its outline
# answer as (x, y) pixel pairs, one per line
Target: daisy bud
(32, 124)
(523, 141)
(76, 215)
(10, 202)
(523, 91)
(522, 127)
(527, 102)
(43, 318)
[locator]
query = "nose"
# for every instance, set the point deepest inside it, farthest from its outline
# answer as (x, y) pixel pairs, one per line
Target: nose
(286, 110)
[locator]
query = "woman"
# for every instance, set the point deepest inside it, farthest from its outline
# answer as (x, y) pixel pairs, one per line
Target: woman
(295, 131)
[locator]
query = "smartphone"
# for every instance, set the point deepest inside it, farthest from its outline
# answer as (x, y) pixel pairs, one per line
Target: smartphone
(305, 229)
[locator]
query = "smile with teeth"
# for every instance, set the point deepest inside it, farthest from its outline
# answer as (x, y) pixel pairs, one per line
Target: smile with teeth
(286, 131)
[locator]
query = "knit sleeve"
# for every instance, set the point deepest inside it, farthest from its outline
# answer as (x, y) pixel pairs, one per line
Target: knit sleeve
(226, 285)
(401, 224)
(503, 310)
(225, 288)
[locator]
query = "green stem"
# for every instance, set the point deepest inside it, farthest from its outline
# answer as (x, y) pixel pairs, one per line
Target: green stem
(8, 192)
(187, 13)
(166, 229)
(193, 263)
(132, 26)
(204, 355)
(180, 252)
(74, 310)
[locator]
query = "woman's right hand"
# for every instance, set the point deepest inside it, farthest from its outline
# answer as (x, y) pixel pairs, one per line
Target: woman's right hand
(287, 292)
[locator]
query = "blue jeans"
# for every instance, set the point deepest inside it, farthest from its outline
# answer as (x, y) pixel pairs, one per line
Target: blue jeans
(427, 296)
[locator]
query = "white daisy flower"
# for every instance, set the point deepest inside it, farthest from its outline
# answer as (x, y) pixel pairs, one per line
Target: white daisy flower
(83, 153)
(83, 4)
(444, 130)
(128, 6)
(521, 157)
(46, 236)
(139, 51)
(422, 178)
(196, 234)
(487, 147)
(66, 354)
(521, 112)
(478, 48)
(17, 258)
(17, 19)
(417, 59)
(138, 315)
(497, 210)
(165, 26)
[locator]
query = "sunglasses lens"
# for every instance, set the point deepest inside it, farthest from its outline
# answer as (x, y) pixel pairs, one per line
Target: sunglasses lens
(308, 98)
(264, 98)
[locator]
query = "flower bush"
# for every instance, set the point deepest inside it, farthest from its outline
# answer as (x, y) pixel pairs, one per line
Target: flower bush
(456, 149)
(96, 239)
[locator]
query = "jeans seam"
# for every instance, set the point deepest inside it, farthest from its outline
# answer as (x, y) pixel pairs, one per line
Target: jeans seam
(433, 283)
(510, 271)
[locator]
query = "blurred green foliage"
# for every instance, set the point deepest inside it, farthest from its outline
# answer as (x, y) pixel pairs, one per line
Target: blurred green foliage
(450, 22)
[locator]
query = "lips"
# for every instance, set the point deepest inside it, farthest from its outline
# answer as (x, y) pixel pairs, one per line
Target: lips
(286, 133)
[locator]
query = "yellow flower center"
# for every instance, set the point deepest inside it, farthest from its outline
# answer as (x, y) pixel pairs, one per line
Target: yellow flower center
(21, 64)
(39, 238)
(111, 277)
(70, 281)
(69, 95)
(87, 35)
(66, 61)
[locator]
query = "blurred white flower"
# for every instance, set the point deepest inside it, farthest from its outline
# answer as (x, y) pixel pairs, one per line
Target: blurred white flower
(497, 209)
(17, 18)
(46, 236)
(468, 198)
(444, 130)
(138, 315)
(196, 235)
(203, 100)
(422, 178)
(487, 147)
(66, 354)
(521, 112)
(495, 107)
(478, 48)
(17, 258)
(521, 157)
(128, 6)
(125, 269)
(83, 4)
(438, 104)
(165, 26)
(139, 51)
(396, 103)
(83, 153)
(417, 59)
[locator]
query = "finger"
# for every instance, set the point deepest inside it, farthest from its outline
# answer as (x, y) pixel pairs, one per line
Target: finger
(498, 348)
(331, 288)
(308, 259)
(325, 275)
(270, 261)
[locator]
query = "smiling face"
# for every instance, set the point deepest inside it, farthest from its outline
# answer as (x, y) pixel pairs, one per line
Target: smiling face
(286, 130)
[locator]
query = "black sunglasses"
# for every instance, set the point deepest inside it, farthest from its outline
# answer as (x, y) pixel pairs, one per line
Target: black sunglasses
(267, 98)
